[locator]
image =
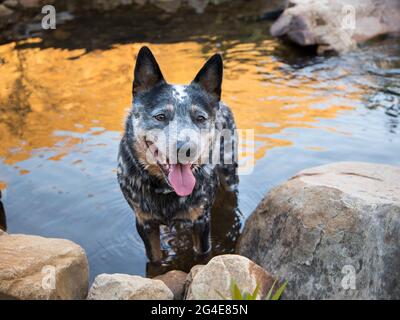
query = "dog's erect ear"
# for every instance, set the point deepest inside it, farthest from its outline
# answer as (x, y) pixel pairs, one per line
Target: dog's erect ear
(210, 76)
(147, 72)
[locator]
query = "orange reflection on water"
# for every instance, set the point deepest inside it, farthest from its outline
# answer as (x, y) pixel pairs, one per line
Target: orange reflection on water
(47, 91)
(3, 185)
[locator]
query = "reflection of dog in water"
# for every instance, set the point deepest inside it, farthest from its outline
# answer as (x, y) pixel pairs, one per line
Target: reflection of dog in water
(3, 223)
(167, 189)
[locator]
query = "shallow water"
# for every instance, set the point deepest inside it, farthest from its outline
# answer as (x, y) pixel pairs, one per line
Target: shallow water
(64, 96)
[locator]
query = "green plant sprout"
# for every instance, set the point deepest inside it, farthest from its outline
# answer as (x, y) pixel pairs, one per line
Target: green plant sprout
(237, 294)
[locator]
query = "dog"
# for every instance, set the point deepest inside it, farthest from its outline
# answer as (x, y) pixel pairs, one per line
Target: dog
(168, 131)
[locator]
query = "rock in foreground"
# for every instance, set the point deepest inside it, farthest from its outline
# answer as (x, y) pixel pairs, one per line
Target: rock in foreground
(213, 281)
(333, 231)
(33, 267)
(337, 24)
(175, 280)
(126, 287)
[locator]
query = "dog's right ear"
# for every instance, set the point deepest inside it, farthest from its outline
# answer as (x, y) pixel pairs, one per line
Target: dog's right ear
(147, 73)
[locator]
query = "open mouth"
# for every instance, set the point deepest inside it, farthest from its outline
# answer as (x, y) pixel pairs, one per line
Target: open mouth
(179, 176)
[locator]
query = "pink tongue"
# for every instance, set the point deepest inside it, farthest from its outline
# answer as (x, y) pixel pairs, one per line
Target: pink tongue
(181, 179)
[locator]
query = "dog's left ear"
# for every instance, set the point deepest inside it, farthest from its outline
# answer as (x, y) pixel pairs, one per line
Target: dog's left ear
(209, 77)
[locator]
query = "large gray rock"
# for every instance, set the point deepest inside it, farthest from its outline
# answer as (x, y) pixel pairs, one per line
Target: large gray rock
(328, 23)
(213, 281)
(126, 287)
(333, 231)
(33, 267)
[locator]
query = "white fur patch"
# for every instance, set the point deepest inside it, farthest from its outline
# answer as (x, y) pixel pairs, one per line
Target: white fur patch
(121, 166)
(179, 92)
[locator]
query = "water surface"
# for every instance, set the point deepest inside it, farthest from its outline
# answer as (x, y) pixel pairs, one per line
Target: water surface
(64, 96)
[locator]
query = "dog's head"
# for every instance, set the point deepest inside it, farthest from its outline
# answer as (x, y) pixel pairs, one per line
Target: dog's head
(173, 125)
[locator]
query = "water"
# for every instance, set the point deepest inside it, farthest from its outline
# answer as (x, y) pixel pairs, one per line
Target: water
(64, 96)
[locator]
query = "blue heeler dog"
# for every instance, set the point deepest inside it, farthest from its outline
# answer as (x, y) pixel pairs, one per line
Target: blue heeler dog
(169, 133)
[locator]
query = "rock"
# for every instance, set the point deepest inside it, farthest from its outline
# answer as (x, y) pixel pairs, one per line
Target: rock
(337, 24)
(30, 3)
(126, 287)
(333, 231)
(5, 12)
(33, 267)
(108, 5)
(11, 3)
(170, 6)
(175, 280)
(195, 269)
(214, 279)
(140, 2)
(198, 5)
(273, 5)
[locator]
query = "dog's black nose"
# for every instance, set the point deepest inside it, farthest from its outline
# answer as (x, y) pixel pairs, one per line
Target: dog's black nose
(186, 151)
(183, 148)
(180, 145)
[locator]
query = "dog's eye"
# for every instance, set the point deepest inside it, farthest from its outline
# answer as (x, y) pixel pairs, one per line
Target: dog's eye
(201, 119)
(160, 117)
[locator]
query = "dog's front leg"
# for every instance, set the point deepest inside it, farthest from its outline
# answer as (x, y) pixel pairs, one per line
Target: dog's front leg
(150, 234)
(201, 234)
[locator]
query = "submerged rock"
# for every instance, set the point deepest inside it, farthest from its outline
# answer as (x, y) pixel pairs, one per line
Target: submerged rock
(175, 280)
(4, 11)
(36, 3)
(198, 5)
(337, 24)
(10, 3)
(30, 3)
(213, 281)
(33, 267)
(169, 6)
(126, 287)
(333, 231)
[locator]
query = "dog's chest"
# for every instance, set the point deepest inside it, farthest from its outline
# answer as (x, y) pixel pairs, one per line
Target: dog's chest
(161, 202)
